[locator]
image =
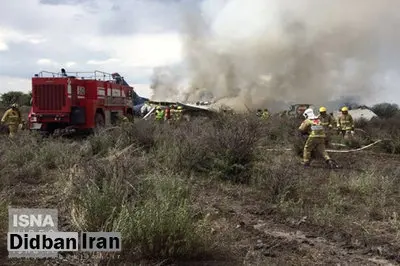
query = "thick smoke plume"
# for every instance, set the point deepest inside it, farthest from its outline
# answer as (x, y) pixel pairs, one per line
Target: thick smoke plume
(261, 53)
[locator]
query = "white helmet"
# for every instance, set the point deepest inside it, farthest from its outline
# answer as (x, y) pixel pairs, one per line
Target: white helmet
(309, 113)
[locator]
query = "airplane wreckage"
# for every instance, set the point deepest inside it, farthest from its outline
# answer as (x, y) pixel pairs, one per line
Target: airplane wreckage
(198, 109)
(145, 108)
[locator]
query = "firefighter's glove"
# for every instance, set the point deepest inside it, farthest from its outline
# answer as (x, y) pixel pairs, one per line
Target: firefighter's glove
(300, 134)
(304, 135)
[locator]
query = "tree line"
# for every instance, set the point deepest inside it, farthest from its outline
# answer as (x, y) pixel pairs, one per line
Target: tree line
(21, 98)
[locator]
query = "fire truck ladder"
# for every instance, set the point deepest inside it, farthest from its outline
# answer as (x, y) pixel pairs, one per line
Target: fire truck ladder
(97, 75)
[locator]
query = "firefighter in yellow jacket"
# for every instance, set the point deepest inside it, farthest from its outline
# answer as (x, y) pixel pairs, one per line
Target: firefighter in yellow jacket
(160, 113)
(178, 113)
(345, 124)
(265, 114)
(327, 122)
(12, 117)
(313, 128)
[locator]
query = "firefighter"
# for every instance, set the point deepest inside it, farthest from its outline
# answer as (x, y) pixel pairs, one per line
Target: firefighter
(172, 112)
(167, 113)
(327, 122)
(178, 113)
(265, 114)
(159, 113)
(345, 124)
(12, 117)
(313, 129)
(63, 73)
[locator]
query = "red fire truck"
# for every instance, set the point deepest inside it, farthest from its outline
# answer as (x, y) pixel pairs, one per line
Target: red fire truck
(78, 102)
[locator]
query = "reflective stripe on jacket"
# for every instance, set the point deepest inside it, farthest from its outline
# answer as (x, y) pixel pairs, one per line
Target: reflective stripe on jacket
(177, 114)
(313, 127)
(159, 114)
(326, 121)
(345, 122)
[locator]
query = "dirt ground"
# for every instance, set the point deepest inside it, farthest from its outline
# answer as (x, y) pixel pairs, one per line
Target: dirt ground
(262, 237)
(253, 232)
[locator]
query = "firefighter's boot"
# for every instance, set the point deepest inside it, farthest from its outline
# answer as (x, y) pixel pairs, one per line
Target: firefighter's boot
(332, 164)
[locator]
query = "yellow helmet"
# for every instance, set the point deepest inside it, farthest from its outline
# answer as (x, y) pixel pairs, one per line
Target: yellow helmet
(322, 109)
(345, 109)
(179, 107)
(14, 105)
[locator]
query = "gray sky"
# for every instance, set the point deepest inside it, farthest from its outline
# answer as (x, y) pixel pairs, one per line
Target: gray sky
(126, 36)
(131, 37)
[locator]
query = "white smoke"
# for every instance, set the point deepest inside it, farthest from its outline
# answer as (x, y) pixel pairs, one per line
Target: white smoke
(262, 52)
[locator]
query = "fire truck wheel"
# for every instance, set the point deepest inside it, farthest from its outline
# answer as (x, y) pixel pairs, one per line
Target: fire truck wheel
(99, 120)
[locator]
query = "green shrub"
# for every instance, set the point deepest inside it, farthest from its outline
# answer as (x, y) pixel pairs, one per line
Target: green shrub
(152, 212)
(162, 225)
(96, 195)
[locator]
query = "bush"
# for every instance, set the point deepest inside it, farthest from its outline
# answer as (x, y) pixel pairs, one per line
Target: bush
(232, 146)
(222, 147)
(8, 98)
(184, 148)
(272, 175)
(386, 110)
(152, 212)
(18, 161)
(387, 130)
(102, 143)
(162, 225)
(97, 190)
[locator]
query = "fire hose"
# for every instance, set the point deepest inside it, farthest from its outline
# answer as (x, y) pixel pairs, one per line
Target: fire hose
(354, 150)
(340, 144)
(335, 151)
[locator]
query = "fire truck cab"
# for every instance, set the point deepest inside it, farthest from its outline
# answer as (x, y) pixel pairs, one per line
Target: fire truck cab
(80, 101)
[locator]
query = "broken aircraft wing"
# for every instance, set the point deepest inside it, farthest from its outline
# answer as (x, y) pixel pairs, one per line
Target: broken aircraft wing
(195, 107)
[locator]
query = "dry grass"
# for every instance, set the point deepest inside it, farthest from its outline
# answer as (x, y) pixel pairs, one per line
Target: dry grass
(147, 192)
